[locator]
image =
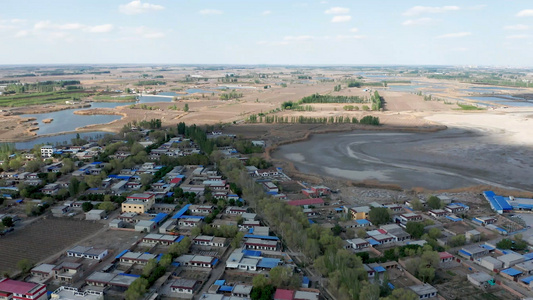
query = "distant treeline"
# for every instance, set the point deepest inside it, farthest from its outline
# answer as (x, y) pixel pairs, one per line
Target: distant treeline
(384, 83)
(318, 98)
(377, 101)
(150, 82)
(39, 87)
(449, 77)
(366, 120)
(23, 75)
(231, 95)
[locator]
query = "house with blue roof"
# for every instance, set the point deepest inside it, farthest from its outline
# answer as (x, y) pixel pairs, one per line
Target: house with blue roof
(473, 252)
(511, 274)
(527, 281)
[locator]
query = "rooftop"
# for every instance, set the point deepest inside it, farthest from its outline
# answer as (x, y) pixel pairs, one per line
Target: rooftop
(423, 289)
(43, 268)
(282, 294)
(17, 287)
(480, 276)
(184, 283)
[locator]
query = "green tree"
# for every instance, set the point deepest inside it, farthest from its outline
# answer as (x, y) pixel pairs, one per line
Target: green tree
(24, 265)
(107, 206)
(369, 291)
(166, 260)
(178, 249)
(34, 165)
(146, 179)
(87, 206)
(137, 289)
(8, 222)
(434, 233)
(504, 244)
(136, 148)
(280, 276)
(236, 242)
(260, 281)
(186, 107)
(15, 164)
(416, 204)
(434, 202)
(379, 215)
(74, 186)
(415, 229)
(426, 274)
(93, 181)
(149, 268)
(68, 166)
(458, 240)
(402, 294)
(361, 233)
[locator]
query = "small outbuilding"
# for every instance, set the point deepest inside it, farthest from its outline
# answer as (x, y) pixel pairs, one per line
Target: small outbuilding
(480, 279)
(145, 226)
(95, 214)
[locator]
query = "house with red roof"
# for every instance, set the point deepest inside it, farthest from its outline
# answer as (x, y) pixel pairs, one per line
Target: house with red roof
(445, 257)
(282, 294)
(303, 202)
(14, 289)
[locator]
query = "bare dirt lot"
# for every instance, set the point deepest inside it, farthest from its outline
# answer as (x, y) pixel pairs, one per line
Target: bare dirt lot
(42, 239)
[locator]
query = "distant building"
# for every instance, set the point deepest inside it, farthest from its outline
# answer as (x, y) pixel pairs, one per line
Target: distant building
(87, 252)
(47, 151)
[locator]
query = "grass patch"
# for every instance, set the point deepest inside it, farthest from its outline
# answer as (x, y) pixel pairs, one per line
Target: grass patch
(450, 273)
(42, 98)
(468, 107)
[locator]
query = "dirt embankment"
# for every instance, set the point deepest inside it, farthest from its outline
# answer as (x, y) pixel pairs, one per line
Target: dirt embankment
(99, 111)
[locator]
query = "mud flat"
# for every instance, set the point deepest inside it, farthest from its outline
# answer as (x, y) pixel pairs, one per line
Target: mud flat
(47, 120)
(449, 159)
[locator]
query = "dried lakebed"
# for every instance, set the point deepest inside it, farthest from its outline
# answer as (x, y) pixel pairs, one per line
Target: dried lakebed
(453, 158)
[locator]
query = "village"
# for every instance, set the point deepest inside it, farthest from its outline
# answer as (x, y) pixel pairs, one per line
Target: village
(185, 213)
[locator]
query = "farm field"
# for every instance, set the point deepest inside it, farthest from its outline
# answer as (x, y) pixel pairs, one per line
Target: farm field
(42, 239)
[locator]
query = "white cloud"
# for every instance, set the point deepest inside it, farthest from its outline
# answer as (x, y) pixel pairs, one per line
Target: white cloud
(211, 12)
(338, 19)
(42, 25)
(349, 37)
(69, 26)
(337, 11)
(266, 13)
(298, 38)
(137, 7)
(18, 21)
(518, 36)
(525, 13)
(324, 2)
(454, 35)
(354, 29)
(22, 33)
(416, 22)
(47, 25)
(100, 28)
(516, 27)
(418, 10)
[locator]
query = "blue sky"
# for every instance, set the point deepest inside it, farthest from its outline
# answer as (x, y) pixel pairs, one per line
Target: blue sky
(496, 33)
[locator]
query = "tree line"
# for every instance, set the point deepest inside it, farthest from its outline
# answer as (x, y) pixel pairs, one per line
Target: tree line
(366, 120)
